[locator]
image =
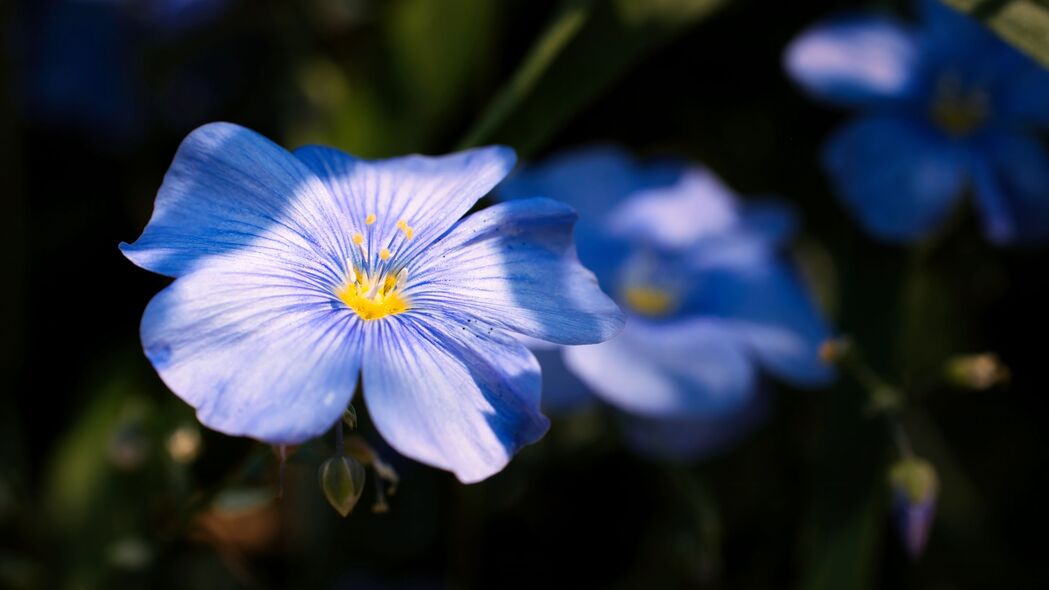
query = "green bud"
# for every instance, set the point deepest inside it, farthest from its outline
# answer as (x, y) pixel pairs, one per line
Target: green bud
(977, 371)
(915, 478)
(349, 417)
(342, 480)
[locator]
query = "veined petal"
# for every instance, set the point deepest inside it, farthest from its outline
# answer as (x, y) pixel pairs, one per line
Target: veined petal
(453, 396)
(513, 266)
(768, 310)
(405, 204)
(230, 191)
(856, 60)
(1012, 188)
(257, 349)
(898, 177)
(690, 368)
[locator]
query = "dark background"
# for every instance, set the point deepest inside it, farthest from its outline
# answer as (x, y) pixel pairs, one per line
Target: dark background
(90, 498)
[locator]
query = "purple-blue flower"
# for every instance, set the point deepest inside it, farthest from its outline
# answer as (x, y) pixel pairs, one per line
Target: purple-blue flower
(295, 272)
(946, 108)
(712, 304)
(79, 61)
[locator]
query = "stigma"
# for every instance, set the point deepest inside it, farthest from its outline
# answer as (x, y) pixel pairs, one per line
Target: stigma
(374, 297)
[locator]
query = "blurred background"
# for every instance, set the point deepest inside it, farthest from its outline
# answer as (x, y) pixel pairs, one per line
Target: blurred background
(107, 480)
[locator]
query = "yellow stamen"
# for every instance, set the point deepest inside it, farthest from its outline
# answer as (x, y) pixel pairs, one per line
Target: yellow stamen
(358, 239)
(384, 254)
(647, 300)
(370, 301)
(408, 230)
(370, 219)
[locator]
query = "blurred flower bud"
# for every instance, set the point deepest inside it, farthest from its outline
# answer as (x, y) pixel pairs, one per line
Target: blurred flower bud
(835, 350)
(128, 447)
(977, 371)
(342, 480)
(184, 444)
(130, 553)
(915, 488)
(349, 417)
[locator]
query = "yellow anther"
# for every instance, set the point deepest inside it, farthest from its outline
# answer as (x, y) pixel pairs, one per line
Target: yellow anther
(373, 298)
(408, 230)
(370, 219)
(358, 238)
(384, 254)
(646, 300)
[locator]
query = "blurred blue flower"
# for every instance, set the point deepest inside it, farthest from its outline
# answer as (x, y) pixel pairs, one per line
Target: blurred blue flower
(710, 299)
(296, 271)
(947, 108)
(79, 61)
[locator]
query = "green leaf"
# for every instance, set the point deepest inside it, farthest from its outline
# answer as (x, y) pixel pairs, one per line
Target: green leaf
(587, 47)
(1023, 23)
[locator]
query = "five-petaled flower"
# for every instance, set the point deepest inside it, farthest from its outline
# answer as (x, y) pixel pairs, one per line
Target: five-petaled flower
(948, 107)
(711, 301)
(294, 272)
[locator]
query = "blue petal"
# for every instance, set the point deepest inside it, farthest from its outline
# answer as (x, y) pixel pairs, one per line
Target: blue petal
(429, 194)
(690, 368)
(856, 60)
(768, 310)
(450, 395)
(563, 392)
(677, 216)
(684, 440)
(1012, 188)
(1024, 94)
(513, 265)
(591, 179)
(898, 177)
(256, 347)
(229, 191)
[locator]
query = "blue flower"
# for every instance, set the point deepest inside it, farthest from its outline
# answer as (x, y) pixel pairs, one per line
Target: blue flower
(80, 61)
(297, 271)
(710, 300)
(947, 107)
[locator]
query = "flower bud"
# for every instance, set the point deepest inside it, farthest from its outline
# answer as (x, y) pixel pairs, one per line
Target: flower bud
(342, 481)
(915, 488)
(977, 371)
(834, 350)
(349, 417)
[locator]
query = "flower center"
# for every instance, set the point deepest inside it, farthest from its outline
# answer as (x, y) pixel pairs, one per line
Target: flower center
(648, 300)
(374, 286)
(374, 297)
(958, 111)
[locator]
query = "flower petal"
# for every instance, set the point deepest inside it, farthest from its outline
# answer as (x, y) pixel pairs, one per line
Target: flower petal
(591, 179)
(684, 440)
(230, 190)
(563, 392)
(1012, 189)
(674, 217)
(768, 309)
(427, 194)
(513, 265)
(898, 177)
(258, 350)
(690, 368)
(855, 60)
(451, 395)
